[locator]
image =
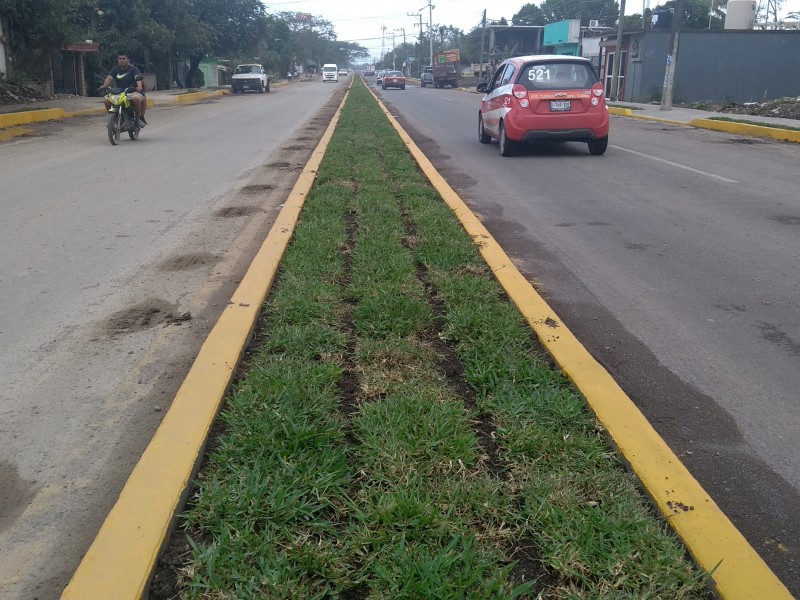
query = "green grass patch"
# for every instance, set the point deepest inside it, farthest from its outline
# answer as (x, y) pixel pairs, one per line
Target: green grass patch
(398, 433)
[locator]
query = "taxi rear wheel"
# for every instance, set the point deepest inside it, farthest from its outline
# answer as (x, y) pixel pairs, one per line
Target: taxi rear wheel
(506, 145)
(598, 147)
(483, 138)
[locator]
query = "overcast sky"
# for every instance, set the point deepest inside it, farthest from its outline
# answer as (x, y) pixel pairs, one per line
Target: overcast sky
(361, 21)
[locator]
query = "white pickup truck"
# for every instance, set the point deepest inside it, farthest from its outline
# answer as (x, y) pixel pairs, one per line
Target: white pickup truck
(249, 77)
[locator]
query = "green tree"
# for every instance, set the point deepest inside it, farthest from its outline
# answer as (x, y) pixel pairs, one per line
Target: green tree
(695, 14)
(35, 28)
(471, 45)
(131, 27)
(235, 28)
(605, 11)
(632, 22)
(313, 39)
(529, 14)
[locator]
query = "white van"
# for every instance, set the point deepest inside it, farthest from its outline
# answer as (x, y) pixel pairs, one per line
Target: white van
(330, 72)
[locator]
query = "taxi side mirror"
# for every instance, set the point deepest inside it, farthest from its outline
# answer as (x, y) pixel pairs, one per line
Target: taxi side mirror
(482, 87)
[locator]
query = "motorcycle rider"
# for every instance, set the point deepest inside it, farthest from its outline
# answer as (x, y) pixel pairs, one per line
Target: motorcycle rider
(124, 76)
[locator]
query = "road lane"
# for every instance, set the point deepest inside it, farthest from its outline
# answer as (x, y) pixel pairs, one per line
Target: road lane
(114, 263)
(682, 282)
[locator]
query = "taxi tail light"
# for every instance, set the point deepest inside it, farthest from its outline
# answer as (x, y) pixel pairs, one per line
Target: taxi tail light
(597, 89)
(521, 93)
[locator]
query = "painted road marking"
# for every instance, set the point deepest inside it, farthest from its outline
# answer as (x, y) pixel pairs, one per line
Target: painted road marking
(674, 164)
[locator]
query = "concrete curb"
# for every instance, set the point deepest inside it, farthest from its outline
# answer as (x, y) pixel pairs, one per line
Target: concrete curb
(195, 97)
(120, 561)
(776, 133)
(29, 117)
(785, 135)
(738, 571)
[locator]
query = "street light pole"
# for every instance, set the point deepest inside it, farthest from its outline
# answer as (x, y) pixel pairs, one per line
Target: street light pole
(618, 53)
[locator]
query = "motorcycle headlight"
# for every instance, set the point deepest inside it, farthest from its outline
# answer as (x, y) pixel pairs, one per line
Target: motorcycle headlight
(114, 98)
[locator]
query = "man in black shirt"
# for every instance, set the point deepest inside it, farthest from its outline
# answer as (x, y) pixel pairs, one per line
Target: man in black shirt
(124, 76)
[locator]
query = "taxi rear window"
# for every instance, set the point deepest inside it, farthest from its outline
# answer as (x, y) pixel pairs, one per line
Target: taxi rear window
(557, 76)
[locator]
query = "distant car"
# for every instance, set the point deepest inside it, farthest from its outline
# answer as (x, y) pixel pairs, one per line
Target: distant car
(544, 98)
(249, 77)
(426, 78)
(393, 79)
(330, 72)
(379, 78)
(342, 72)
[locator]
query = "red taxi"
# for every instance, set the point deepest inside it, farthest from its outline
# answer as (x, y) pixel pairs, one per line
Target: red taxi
(544, 97)
(394, 79)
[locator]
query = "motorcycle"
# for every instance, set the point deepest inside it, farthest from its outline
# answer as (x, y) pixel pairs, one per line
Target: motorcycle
(121, 116)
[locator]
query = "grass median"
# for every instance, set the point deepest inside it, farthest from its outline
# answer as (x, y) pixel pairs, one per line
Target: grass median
(398, 433)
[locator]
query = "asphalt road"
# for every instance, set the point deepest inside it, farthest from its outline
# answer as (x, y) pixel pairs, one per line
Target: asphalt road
(675, 258)
(114, 264)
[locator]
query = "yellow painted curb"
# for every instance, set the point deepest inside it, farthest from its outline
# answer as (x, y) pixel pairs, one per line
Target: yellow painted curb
(741, 574)
(785, 135)
(622, 112)
(32, 116)
(193, 97)
(120, 561)
(50, 114)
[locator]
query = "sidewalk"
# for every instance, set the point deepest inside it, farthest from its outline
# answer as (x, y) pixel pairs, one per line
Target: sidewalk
(773, 126)
(12, 115)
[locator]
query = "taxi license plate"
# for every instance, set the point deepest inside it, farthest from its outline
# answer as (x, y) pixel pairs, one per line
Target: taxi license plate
(560, 105)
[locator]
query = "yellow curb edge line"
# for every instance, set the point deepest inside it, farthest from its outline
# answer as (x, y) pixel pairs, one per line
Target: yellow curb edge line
(120, 561)
(739, 572)
(32, 116)
(784, 135)
(27, 117)
(776, 133)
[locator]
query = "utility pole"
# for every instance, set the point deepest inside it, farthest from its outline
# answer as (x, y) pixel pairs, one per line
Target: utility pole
(394, 54)
(618, 53)
(383, 43)
(403, 29)
(672, 57)
(419, 51)
(483, 36)
(430, 27)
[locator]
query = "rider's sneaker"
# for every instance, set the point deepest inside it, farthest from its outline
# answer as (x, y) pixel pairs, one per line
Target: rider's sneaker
(142, 123)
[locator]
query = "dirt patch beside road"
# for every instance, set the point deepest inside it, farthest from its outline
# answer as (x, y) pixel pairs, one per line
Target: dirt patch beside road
(782, 108)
